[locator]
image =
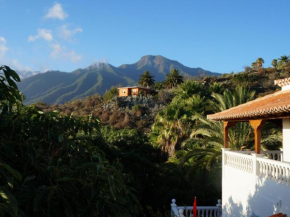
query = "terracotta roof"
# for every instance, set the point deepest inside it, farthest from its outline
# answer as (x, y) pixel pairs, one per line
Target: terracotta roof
(272, 105)
(135, 87)
(282, 82)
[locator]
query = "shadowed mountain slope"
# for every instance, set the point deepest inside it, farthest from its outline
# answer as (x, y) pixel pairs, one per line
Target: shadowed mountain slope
(59, 87)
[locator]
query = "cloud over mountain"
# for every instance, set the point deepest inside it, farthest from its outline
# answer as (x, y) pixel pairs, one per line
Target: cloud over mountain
(59, 51)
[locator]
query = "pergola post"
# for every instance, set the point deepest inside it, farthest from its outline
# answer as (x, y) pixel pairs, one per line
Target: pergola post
(257, 126)
(227, 125)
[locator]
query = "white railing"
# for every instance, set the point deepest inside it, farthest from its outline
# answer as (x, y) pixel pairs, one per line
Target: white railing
(267, 165)
(277, 171)
(274, 155)
(202, 211)
(239, 161)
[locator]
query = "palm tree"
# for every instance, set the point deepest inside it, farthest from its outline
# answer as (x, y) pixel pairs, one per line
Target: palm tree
(254, 65)
(284, 59)
(274, 63)
(260, 62)
(173, 79)
(206, 139)
(146, 80)
(173, 124)
(230, 99)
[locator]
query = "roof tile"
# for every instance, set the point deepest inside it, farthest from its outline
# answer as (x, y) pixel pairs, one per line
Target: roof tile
(271, 105)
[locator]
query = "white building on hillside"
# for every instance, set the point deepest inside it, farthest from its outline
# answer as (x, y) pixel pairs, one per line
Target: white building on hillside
(257, 183)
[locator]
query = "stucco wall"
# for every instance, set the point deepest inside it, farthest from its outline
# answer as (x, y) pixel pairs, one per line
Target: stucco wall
(123, 91)
(286, 140)
(135, 91)
(247, 195)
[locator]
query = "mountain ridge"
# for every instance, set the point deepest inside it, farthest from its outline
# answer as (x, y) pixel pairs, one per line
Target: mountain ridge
(60, 87)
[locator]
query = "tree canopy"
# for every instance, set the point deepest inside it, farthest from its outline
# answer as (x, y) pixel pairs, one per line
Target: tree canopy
(146, 79)
(173, 79)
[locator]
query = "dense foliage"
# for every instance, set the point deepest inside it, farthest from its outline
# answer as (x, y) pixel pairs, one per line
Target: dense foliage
(53, 166)
(105, 156)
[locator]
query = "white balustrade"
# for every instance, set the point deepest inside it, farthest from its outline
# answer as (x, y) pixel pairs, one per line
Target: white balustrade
(239, 161)
(274, 155)
(202, 211)
(268, 164)
(277, 171)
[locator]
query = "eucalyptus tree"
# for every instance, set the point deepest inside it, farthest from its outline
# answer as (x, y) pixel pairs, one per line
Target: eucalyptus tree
(173, 79)
(146, 79)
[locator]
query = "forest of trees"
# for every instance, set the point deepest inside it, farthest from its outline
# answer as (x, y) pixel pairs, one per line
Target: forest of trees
(73, 160)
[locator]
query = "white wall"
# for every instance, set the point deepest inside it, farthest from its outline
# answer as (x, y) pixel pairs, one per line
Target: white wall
(286, 140)
(247, 195)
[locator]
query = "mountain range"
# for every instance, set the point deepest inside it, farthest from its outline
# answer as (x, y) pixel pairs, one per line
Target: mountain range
(59, 87)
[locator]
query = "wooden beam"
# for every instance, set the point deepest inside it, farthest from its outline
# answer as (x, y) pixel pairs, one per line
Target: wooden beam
(257, 126)
(278, 116)
(227, 125)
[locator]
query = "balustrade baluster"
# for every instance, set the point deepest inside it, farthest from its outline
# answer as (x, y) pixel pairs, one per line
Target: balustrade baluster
(270, 171)
(280, 174)
(276, 173)
(287, 179)
(265, 170)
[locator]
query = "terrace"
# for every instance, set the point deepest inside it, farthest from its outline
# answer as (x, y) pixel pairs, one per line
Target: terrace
(254, 183)
(257, 183)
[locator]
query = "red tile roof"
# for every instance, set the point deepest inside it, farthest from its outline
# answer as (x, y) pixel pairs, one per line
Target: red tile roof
(135, 87)
(272, 105)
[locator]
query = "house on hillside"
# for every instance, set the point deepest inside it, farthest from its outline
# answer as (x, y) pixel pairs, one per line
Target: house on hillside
(257, 183)
(134, 91)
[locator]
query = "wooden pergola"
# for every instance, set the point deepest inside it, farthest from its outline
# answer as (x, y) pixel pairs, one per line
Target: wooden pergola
(257, 126)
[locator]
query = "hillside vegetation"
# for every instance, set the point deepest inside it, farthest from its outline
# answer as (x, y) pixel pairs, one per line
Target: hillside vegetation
(62, 160)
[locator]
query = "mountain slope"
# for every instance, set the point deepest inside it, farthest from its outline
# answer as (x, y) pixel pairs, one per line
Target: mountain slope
(59, 87)
(159, 66)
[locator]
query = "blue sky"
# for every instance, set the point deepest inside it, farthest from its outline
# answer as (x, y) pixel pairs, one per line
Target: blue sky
(221, 36)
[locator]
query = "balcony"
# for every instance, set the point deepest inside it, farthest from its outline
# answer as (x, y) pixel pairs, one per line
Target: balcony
(267, 165)
(255, 184)
(202, 211)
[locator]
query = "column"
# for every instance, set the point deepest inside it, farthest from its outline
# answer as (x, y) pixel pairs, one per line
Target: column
(257, 125)
(227, 125)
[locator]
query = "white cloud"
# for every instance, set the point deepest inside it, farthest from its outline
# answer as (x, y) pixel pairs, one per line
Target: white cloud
(98, 63)
(56, 12)
(15, 64)
(22, 71)
(3, 48)
(66, 33)
(45, 34)
(59, 51)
